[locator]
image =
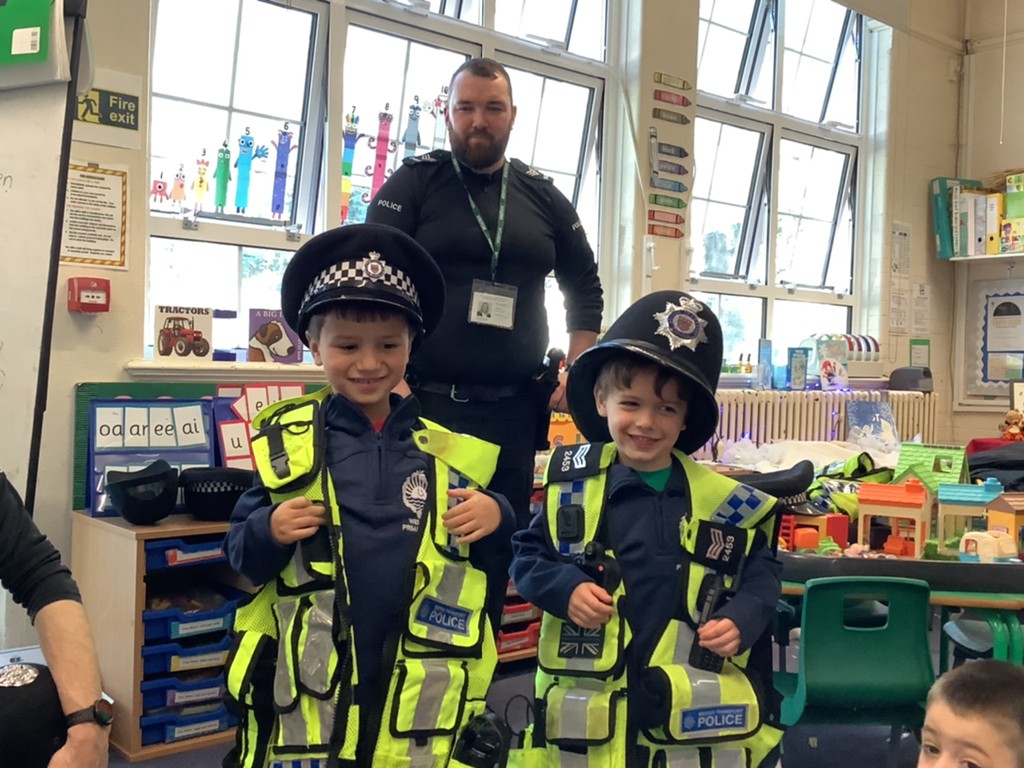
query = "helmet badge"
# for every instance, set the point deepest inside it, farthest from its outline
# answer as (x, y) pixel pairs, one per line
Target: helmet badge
(373, 266)
(682, 324)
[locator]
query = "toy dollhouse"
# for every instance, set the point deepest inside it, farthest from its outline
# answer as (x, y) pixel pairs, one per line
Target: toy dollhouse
(909, 503)
(1006, 515)
(958, 504)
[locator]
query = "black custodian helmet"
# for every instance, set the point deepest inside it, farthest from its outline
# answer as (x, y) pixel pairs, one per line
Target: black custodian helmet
(673, 330)
(32, 725)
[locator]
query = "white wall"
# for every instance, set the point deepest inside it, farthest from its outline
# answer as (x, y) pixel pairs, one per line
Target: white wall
(922, 145)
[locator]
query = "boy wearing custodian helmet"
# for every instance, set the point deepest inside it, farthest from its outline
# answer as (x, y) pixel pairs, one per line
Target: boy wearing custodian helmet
(369, 642)
(655, 573)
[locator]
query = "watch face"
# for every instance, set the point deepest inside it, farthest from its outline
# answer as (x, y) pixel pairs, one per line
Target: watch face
(104, 712)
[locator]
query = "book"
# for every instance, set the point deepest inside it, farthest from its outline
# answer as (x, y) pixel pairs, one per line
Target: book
(942, 212)
(832, 357)
(270, 338)
(993, 220)
(875, 421)
(185, 331)
(796, 367)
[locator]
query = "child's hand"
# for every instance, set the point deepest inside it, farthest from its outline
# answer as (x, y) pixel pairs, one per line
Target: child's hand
(721, 636)
(296, 519)
(590, 606)
(475, 516)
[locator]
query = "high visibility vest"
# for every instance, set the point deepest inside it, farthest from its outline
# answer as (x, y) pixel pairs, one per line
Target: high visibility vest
(581, 683)
(442, 661)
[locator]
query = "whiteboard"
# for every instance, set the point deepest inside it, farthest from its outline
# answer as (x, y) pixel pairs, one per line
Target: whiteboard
(31, 124)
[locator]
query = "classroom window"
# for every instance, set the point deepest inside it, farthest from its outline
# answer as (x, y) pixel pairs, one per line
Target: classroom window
(775, 214)
(211, 247)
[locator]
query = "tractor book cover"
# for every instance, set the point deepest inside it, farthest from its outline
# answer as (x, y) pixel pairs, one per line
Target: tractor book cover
(270, 338)
(183, 332)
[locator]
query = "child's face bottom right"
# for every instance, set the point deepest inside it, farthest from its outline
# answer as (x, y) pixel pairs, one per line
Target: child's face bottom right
(644, 425)
(949, 740)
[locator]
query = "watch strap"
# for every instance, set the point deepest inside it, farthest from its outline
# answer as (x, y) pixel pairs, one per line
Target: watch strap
(91, 714)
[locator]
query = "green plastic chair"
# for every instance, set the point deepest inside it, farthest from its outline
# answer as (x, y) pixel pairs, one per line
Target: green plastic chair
(856, 674)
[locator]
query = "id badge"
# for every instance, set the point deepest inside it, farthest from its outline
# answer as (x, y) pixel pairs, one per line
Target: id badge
(493, 304)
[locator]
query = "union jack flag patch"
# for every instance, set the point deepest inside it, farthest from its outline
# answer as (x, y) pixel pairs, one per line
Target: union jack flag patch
(579, 643)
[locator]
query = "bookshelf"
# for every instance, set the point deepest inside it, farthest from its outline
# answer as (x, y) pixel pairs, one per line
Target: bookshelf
(989, 257)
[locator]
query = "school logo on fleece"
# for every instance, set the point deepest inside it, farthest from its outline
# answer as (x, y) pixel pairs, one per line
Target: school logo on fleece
(414, 496)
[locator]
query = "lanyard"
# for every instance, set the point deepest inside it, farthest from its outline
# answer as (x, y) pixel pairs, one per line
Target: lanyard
(495, 244)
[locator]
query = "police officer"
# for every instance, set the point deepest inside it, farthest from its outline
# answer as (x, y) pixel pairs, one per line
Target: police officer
(497, 228)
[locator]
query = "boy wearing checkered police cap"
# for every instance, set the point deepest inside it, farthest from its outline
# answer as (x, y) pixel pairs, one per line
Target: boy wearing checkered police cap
(655, 573)
(368, 526)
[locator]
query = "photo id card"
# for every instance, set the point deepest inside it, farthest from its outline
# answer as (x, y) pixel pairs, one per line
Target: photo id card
(493, 304)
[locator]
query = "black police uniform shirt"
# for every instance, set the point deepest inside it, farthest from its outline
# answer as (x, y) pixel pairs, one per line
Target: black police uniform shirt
(425, 198)
(380, 526)
(643, 532)
(30, 567)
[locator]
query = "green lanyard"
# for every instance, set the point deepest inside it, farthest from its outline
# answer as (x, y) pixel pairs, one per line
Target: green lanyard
(495, 244)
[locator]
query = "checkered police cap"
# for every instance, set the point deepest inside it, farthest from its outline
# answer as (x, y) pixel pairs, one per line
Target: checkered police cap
(362, 263)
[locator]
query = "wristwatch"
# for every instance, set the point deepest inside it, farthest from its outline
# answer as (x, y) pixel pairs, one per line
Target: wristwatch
(101, 711)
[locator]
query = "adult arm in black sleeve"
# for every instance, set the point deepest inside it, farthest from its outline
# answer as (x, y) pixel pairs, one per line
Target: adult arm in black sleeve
(575, 269)
(30, 566)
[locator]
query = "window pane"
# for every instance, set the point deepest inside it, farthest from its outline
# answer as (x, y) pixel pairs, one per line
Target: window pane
(467, 10)
(273, 53)
(240, 99)
(718, 63)
(727, 157)
(810, 181)
(742, 319)
(732, 14)
(398, 103)
(844, 100)
(762, 79)
(790, 327)
(589, 30)
(840, 266)
(177, 71)
(548, 19)
(812, 39)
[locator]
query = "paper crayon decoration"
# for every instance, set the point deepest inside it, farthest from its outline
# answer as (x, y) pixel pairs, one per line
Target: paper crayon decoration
(672, 117)
(671, 81)
(667, 201)
(669, 167)
(662, 231)
(672, 149)
(671, 98)
(667, 185)
(665, 216)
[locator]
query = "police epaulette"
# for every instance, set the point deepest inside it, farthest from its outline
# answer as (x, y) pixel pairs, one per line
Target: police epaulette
(571, 462)
(530, 171)
(430, 157)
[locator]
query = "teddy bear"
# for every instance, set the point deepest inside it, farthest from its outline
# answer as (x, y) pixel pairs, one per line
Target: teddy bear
(1012, 427)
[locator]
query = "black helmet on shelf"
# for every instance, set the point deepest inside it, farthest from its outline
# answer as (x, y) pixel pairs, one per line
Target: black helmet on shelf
(145, 496)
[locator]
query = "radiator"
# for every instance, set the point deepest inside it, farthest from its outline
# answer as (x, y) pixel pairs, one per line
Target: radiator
(769, 416)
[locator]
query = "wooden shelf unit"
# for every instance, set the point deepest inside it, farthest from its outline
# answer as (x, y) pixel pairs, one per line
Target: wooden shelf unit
(108, 558)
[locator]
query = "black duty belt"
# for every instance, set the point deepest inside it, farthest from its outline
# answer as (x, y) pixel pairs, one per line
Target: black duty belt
(464, 393)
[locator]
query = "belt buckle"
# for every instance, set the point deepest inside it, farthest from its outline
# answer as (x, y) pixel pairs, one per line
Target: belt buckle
(455, 397)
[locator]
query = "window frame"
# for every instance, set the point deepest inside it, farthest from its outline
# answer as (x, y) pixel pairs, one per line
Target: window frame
(744, 112)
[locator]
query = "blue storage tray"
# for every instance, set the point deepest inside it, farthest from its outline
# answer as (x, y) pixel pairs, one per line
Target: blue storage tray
(172, 657)
(168, 727)
(172, 692)
(174, 623)
(176, 553)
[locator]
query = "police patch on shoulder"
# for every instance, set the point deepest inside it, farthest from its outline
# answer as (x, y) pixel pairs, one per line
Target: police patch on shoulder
(569, 462)
(428, 157)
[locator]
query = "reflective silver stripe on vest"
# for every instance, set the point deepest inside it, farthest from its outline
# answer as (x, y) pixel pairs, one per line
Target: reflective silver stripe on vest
(575, 760)
(572, 717)
(726, 757)
(436, 680)
(283, 693)
(319, 643)
(685, 757)
(449, 590)
(705, 687)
